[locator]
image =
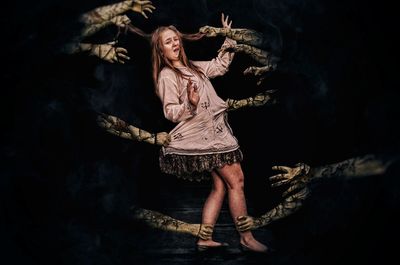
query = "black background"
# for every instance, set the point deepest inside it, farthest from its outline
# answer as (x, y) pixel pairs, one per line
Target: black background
(65, 183)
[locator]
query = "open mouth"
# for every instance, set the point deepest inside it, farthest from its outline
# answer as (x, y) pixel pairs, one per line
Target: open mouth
(176, 50)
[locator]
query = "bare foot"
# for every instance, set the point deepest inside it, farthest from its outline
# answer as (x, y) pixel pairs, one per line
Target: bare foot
(252, 244)
(209, 243)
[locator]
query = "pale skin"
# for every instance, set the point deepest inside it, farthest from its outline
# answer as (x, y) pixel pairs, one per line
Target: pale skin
(295, 178)
(228, 179)
(118, 127)
(105, 16)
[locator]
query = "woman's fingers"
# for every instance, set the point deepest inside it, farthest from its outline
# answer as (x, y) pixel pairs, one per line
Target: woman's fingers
(189, 83)
(189, 87)
(192, 87)
(225, 21)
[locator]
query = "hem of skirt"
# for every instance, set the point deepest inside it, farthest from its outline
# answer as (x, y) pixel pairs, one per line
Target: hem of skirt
(197, 167)
(198, 152)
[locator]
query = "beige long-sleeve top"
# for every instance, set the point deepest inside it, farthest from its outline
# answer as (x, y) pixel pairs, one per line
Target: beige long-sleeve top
(201, 130)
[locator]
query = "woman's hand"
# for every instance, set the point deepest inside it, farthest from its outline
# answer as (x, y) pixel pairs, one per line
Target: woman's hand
(225, 21)
(193, 93)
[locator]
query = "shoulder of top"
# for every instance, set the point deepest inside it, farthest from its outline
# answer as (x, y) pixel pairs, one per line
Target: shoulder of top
(195, 62)
(200, 64)
(167, 72)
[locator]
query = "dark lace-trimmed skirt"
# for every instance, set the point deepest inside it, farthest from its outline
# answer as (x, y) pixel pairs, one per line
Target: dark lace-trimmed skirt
(197, 167)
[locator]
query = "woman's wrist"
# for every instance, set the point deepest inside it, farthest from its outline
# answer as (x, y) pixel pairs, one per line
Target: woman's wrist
(193, 108)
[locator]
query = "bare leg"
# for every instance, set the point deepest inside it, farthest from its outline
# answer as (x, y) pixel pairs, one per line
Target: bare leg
(212, 206)
(234, 178)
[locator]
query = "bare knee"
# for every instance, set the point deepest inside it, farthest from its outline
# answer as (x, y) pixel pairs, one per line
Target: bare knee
(218, 186)
(237, 182)
(219, 189)
(232, 176)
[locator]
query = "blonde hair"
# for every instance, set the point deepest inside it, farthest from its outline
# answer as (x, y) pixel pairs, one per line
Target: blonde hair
(159, 61)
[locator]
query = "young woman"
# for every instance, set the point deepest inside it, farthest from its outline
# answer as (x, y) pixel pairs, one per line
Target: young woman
(202, 142)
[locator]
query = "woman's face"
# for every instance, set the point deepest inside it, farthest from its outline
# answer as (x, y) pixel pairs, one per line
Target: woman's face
(170, 45)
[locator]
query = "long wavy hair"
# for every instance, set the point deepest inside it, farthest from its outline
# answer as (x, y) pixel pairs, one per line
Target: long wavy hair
(159, 61)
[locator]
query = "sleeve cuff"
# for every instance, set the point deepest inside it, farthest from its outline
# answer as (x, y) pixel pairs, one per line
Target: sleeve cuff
(230, 41)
